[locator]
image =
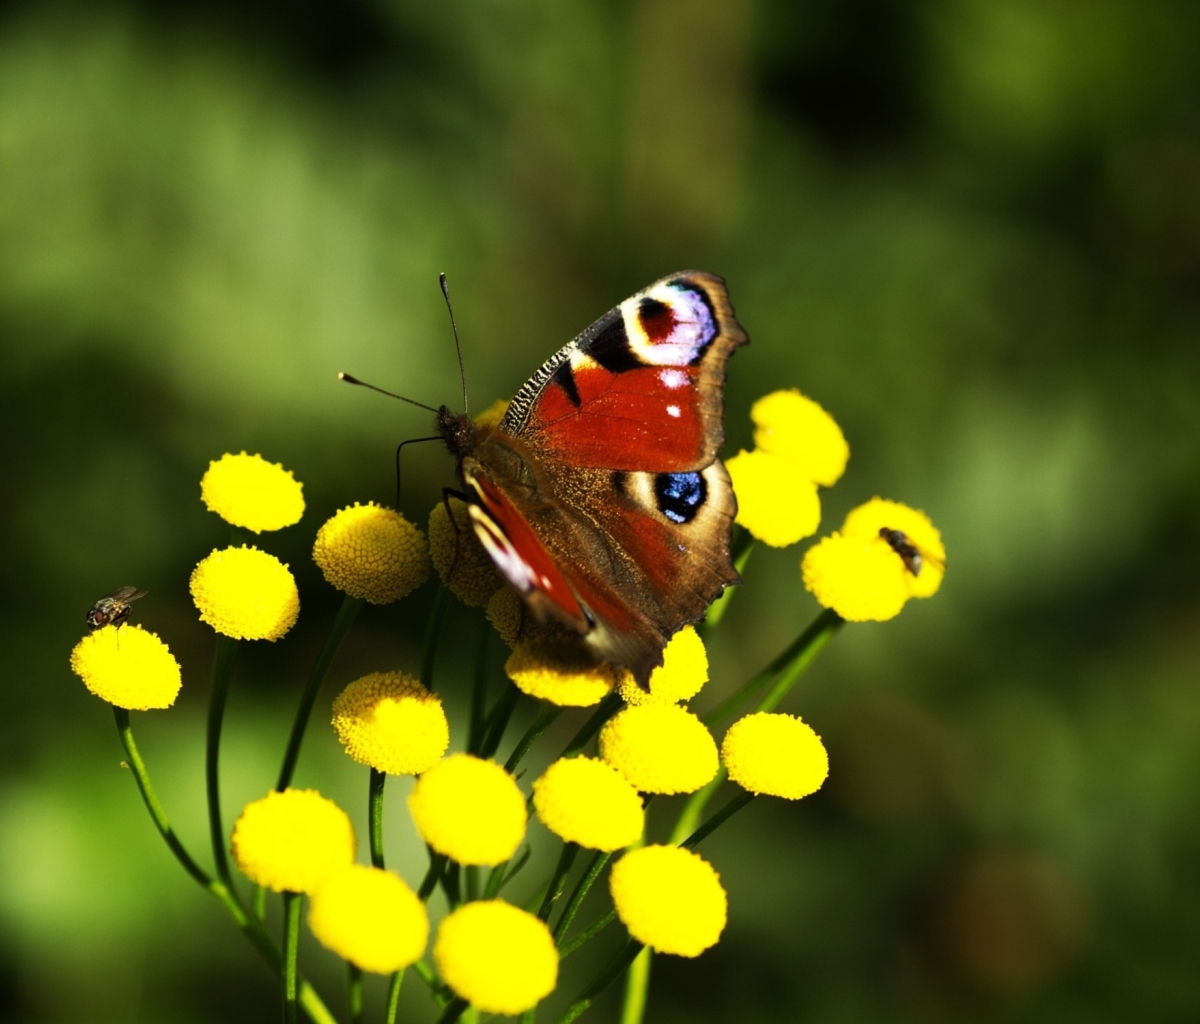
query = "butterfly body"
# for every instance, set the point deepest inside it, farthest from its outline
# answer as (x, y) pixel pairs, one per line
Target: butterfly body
(599, 495)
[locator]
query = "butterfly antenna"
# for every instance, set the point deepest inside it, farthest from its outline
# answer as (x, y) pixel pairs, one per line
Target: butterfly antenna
(391, 394)
(457, 347)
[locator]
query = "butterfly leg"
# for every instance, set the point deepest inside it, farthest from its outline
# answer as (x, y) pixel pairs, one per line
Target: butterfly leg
(447, 494)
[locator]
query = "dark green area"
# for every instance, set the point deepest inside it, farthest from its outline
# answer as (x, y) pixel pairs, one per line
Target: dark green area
(969, 228)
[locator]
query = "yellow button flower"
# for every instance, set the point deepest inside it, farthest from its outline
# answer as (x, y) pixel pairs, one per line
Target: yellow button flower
(370, 917)
(860, 578)
(669, 898)
(390, 721)
(559, 669)
(660, 748)
(246, 594)
(497, 957)
(585, 801)
(128, 667)
(474, 578)
(493, 414)
(372, 553)
(775, 755)
(507, 612)
(292, 841)
(250, 492)
(877, 514)
(777, 503)
(469, 809)
(788, 423)
(680, 677)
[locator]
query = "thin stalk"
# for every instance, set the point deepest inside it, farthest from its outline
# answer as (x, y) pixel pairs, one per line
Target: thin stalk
(637, 987)
(498, 720)
(546, 717)
(472, 873)
(577, 896)
(292, 903)
(354, 993)
(718, 819)
(450, 883)
(693, 810)
(437, 864)
(616, 967)
(504, 873)
(454, 1009)
(346, 615)
(375, 815)
(479, 689)
(589, 933)
(259, 906)
(222, 678)
(558, 879)
(393, 997)
(743, 547)
(437, 615)
(804, 657)
(604, 711)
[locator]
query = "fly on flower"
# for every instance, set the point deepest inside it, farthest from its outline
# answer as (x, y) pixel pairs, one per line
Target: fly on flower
(912, 555)
(114, 608)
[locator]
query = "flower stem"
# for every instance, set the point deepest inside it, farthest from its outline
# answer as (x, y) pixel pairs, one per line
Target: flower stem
(393, 997)
(437, 864)
(354, 993)
(606, 977)
(498, 720)
(543, 722)
(718, 819)
(637, 987)
(604, 711)
(479, 690)
(222, 678)
(743, 547)
(346, 615)
(375, 815)
(693, 810)
(577, 896)
(292, 902)
(454, 1009)
(433, 632)
(589, 933)
(558, 879)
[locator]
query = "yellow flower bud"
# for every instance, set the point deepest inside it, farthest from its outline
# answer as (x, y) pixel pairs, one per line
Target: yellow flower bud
(860, 578)
(789, 424)
(868, 519)
(680, 677)
(586, 801)
(493, 414)
(469, 809)
(128, 667)
(660, 748)
(669, 898)
(497, 957)
(472, 576)
(250, 492)
(777, 503)
(561, 670)
(372, 553)
(369, 917)
(246, 594)
(775, 755)
(390, 721)
(292, 841)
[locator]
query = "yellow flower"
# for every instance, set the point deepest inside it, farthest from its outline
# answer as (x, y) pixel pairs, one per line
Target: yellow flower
(469, 809)
(474, 578)
(372, 553)
(585, 801)
(246, 594)
(777, 503)
(507, 612)
(789, 424)
(660, 748)
(493, 414)
(497, 957)
(861, 579)
(390, 721)
(679, 678)
(370, 917)
(868, 519)
(292, 840)
(669, 898)
(250, 492)
(775, 755)
(561, 670)
(128, 667)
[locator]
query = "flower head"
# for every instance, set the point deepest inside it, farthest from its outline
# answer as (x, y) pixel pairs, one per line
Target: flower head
(559, 669)
(246, 594)
(493, 414)
(370, 917)
(585, 801)
(128, 667)
(789, 424)
(507, 612)
(680, 677)
(777, 502)
(669, 898)
(390, 721)
(660, 748)
(869, 519)
(292, 840)
(497, 957)
(461, 561)
(775, 755)
(372, 553)
(469, 809)
(250, 492)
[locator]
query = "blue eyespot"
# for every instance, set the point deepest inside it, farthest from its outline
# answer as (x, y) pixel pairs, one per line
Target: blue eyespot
(680, 495)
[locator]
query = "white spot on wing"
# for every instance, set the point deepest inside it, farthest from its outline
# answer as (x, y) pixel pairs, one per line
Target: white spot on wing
(673, 410)
(673, 378)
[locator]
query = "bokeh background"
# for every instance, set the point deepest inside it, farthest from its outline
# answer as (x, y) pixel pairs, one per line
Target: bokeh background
(969, 228)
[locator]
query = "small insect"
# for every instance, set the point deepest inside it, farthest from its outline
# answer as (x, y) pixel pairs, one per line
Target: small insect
(912, 556)
(113, 609)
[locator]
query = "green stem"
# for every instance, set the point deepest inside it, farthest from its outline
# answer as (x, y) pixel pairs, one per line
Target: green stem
(393, 997)
(479, 690)
(558, 879)
(437, 615)
(346, 615)
(637, 987)
(577, 896)
(616, 967)
(546, 717)
(375, 815)
(589, 933)
(454, 1009)
(354, 993)
(450, 883)
(693, 810)
(437, 864)
(498, 720)
(718, 819)
(604, 711)
(822, 631)
(504, 873)
(260, 903)
(743, 547)
(292, 903)
(472, 873)
(222, 678)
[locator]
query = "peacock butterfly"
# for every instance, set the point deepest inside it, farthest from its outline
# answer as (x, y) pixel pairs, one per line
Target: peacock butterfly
(599, 495)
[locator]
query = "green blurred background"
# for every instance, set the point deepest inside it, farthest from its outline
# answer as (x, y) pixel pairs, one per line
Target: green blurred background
(969, 228)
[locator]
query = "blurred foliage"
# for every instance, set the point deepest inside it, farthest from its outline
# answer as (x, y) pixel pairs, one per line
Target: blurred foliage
(969, 228)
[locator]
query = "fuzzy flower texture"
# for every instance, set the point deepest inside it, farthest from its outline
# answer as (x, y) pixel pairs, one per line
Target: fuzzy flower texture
(247, 491)
(128, 667)
(372, 553)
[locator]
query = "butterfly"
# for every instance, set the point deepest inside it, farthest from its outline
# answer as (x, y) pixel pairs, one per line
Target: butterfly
(599, 496)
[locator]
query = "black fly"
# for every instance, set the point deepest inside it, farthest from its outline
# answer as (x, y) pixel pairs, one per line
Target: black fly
(113, 609)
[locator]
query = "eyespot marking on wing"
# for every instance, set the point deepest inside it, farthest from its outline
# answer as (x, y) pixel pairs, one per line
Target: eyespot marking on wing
(671, 325)
(680, 496)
